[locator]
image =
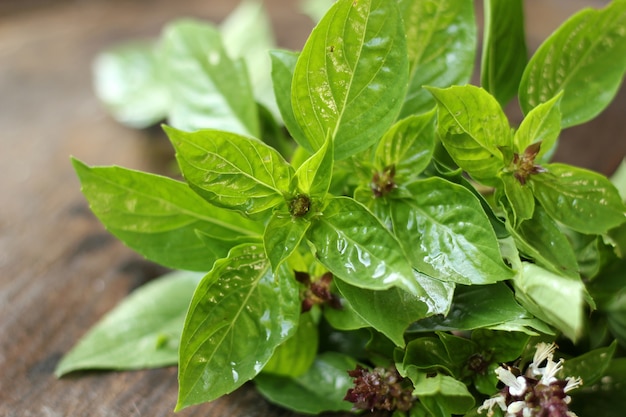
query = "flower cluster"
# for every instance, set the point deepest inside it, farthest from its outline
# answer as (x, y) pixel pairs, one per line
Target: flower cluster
(537, 393)
(317, 291)
(524, 164)
(380, 389)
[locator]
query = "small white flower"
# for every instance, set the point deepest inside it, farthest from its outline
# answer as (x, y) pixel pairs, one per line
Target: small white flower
(517, 385)
(544, 351)
(572, 383)
(489, 403)
(515, 407)
(550, 371)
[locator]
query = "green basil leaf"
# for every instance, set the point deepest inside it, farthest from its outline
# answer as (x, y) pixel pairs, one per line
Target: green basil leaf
(408, 146)
(161, 218)
(555, 299)
(541, 125)
(351, 76)
(208, 89)
(459, 350)
(247, 33)
(585, 58)
(441, 40)
(143, 331)
(427, 354)
(129, 80)
(495, 348)
(447, 234)
(391, 311)
(497, 223)
(232, 171)
(592, 255)
(520, 198)
(582, 200)
(541, 240)
(345, 318)
(604, 398)
(315, 174)
(504, 48)
(296, 355)
(283, 67)
(506, 346)
(475, 307)
(442, 395)
(530, 326)
(616, 314)
(473, 128)
(320, 389)
(240, 299)
(591, 366)
(282, 236)
(358, 249)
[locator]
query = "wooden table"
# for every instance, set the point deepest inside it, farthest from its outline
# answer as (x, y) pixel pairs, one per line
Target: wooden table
(59, 270)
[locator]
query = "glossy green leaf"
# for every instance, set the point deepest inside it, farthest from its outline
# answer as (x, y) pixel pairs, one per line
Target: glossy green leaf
(408, 146)
(129, 80)
(555, 299)
(441, 40)
(230, 170)
(592, 255)
(520, 198)
(321, 389)
(208, 89)
(282, 236)
(391, 311)
(459, 350)
(541, 125)
(506, 346)
(585, 58)
(359, 250)
(504, 54)
(345, 318)
(247, 33)
(351, 76)
(315, 174)
(240, 299)
(442, 395)
(427, 354)
(473, 128)
(475, 307)
(143, 331)
(590, 366)
(497, 223)
(296, 355)
(446, 234)
(541, 240)
(580, 199)
(283, 67)
(161, 218)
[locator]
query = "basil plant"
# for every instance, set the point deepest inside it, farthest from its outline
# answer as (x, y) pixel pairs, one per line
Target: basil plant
(369, 232)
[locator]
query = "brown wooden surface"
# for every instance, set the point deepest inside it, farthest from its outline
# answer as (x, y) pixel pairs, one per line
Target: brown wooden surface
(59, 270)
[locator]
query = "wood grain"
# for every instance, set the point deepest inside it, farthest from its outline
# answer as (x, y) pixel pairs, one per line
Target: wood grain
(59, 269)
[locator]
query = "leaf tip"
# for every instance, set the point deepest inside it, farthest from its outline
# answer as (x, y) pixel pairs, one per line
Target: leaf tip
(79, 166)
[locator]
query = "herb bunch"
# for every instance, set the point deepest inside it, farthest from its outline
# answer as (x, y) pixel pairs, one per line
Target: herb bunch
(401, 247)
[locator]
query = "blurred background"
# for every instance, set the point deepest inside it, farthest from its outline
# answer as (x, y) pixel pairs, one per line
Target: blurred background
(59, 270)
